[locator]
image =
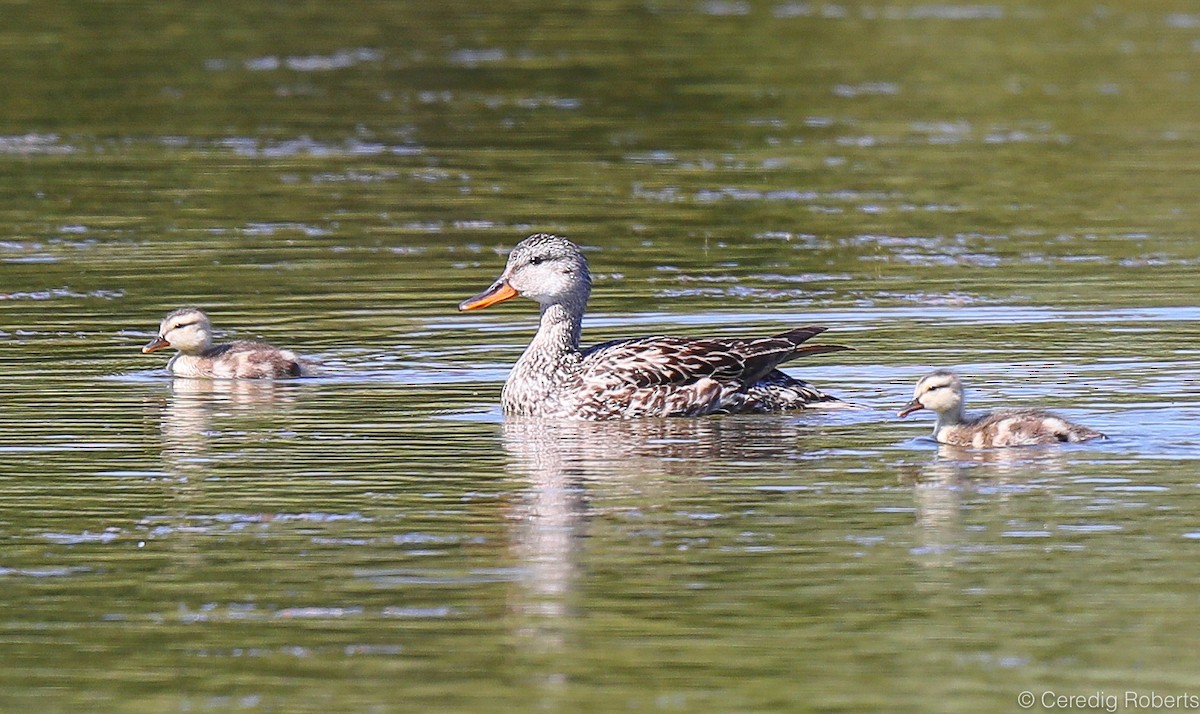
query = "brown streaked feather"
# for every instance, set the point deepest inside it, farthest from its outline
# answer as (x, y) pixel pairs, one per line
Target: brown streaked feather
(776, 392)
(661, 359)
(660, 376)
(596, 403)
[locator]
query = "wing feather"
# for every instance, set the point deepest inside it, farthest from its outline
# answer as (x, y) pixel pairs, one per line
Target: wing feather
(661, 360)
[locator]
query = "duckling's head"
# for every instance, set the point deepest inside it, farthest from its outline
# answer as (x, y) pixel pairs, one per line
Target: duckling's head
(186, 329)
(940, 391)
(543, 267)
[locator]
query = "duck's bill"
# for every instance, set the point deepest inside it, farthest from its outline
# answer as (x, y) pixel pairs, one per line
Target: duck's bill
(155, 345)
(913, 406)
(499, 292)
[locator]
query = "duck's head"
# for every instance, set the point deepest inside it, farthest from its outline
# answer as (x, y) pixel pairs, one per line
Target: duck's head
(542, 267)
(186, 329)
(940, 391)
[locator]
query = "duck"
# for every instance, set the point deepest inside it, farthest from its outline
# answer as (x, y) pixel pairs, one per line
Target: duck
(941, 391)
(657, 376)
(189, 331)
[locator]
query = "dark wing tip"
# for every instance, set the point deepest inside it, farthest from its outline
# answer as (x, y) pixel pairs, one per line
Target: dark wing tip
(801, 334)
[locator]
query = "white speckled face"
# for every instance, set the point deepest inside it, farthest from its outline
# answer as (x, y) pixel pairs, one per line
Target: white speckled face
(187, 331)
(939, 391)
(548, 269)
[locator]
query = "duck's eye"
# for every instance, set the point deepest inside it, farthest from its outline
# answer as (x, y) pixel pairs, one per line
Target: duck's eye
(536, 260)
(182, 325)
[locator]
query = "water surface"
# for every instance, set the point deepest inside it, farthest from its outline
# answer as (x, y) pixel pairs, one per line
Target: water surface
(999, 188)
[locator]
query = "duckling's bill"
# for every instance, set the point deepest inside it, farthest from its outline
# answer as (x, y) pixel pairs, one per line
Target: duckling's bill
(909, 408)
(497, 293)
(155, 345)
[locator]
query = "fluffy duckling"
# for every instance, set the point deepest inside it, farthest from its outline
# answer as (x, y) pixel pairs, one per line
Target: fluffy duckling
(942, 392)
(189, 331)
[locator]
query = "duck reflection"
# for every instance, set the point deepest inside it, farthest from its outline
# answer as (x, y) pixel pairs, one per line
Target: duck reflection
(565, 464)
(642, 447)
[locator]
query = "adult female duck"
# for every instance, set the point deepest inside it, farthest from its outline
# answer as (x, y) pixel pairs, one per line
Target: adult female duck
(643, 377)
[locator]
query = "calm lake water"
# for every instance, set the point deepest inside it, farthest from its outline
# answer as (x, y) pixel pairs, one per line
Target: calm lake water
(1007, 189)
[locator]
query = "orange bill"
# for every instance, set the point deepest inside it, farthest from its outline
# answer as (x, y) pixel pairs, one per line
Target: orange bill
(499, 292)
(909, 408)
(155, 345)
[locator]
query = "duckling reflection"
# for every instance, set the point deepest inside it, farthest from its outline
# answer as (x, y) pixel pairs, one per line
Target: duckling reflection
(937, 498)
(187, 417)
(959, 473)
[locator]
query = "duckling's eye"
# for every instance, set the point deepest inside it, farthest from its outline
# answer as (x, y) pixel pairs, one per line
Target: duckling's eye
(182, 325)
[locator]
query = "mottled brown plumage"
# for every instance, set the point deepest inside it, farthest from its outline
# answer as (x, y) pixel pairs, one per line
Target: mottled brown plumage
(189, 331)
(647, 376)
(942, 392)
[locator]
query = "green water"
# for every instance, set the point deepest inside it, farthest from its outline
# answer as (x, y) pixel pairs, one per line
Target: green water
(1004, 188)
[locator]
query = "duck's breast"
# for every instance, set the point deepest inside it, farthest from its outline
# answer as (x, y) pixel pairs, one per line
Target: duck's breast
(182, 365)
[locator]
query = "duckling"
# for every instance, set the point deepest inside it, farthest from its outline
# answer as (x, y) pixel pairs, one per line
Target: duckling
(942, 392)
(189, 331)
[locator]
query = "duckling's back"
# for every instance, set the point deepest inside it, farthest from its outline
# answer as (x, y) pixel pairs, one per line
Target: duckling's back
(1016, 427)
(256, 360)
